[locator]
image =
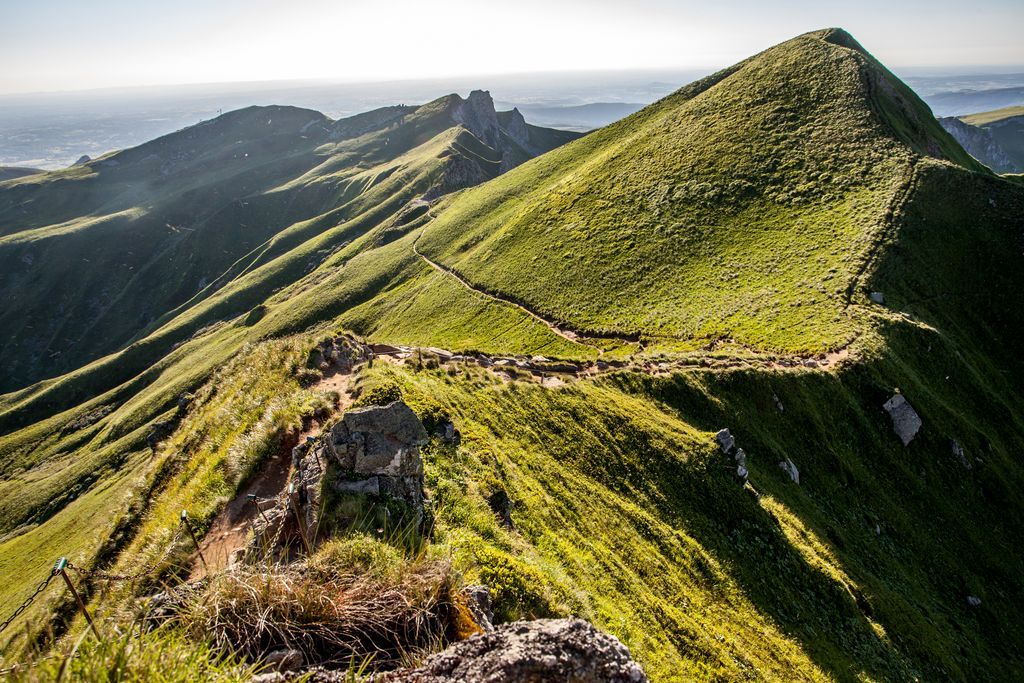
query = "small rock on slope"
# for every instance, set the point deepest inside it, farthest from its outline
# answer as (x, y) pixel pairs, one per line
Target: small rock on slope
(905, 420)
(569, 650)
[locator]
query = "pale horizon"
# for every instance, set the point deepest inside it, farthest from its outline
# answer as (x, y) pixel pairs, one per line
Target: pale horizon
(61, 46)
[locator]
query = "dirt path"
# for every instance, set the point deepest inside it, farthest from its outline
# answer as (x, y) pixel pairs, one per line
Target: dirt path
(764, 361)
(230, 530)
(563, 332)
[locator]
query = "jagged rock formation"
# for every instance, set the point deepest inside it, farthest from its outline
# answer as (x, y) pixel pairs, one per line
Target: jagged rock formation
(513, 123)
(477, 114)
(981, 144)
(378, 452)
(537, 651)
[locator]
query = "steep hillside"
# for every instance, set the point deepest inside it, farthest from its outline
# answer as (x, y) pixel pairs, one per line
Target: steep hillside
(996, 138)
(743, 207)
(778, 250)
(97, 255)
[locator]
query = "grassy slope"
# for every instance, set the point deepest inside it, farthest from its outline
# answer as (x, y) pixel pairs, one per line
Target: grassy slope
(992, 116)
(740, 207)
(49, 465)
(624, 512)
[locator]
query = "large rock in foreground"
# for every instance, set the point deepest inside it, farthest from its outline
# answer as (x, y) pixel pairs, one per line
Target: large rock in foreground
(565, 650)
(381, 440)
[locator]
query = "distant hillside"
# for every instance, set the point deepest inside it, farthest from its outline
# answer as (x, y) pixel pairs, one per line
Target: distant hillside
(965, 102)
(97, 255)
(9, 172)
(996, 138)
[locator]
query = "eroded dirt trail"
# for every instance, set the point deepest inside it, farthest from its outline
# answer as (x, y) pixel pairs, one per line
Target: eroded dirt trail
(230, 530)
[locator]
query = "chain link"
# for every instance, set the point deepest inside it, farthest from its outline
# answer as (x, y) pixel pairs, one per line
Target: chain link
(152, 568)
(28, 601)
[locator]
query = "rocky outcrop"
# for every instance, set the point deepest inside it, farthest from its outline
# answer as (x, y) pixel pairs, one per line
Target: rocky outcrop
(515, 127)
(538, 651)
(476, 113)
(981, 145)
(377, 450)
(727, 443)
(789, 468)
(340, 354)
(478, 600)
(905, 420)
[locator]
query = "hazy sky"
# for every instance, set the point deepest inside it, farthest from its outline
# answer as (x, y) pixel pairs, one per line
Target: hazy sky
(77, 44)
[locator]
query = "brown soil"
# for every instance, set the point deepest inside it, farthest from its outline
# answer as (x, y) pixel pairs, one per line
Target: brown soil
(230, 530)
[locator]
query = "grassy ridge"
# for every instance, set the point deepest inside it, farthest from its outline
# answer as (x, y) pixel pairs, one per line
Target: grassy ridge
(625, 513)
(742, 207)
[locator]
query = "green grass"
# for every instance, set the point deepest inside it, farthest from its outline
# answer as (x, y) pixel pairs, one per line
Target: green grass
(626, 514)
(742, 207)
(992, 116)
(162, 656)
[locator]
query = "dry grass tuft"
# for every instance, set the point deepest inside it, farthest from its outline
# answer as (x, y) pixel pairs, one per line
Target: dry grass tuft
(334, 610)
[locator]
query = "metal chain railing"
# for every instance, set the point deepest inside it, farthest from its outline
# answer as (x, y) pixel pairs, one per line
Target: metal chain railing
(62, 565)
(152, 568)
(25, 666)
(28, 601)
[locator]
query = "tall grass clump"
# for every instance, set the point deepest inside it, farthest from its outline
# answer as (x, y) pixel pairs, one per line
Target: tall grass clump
(355, 600)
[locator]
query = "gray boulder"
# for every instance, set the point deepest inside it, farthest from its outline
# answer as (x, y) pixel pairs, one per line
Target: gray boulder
(726, 441)
(537, 651)
(380, 440)
(789, 468)
(378, 450)
(905, 420)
